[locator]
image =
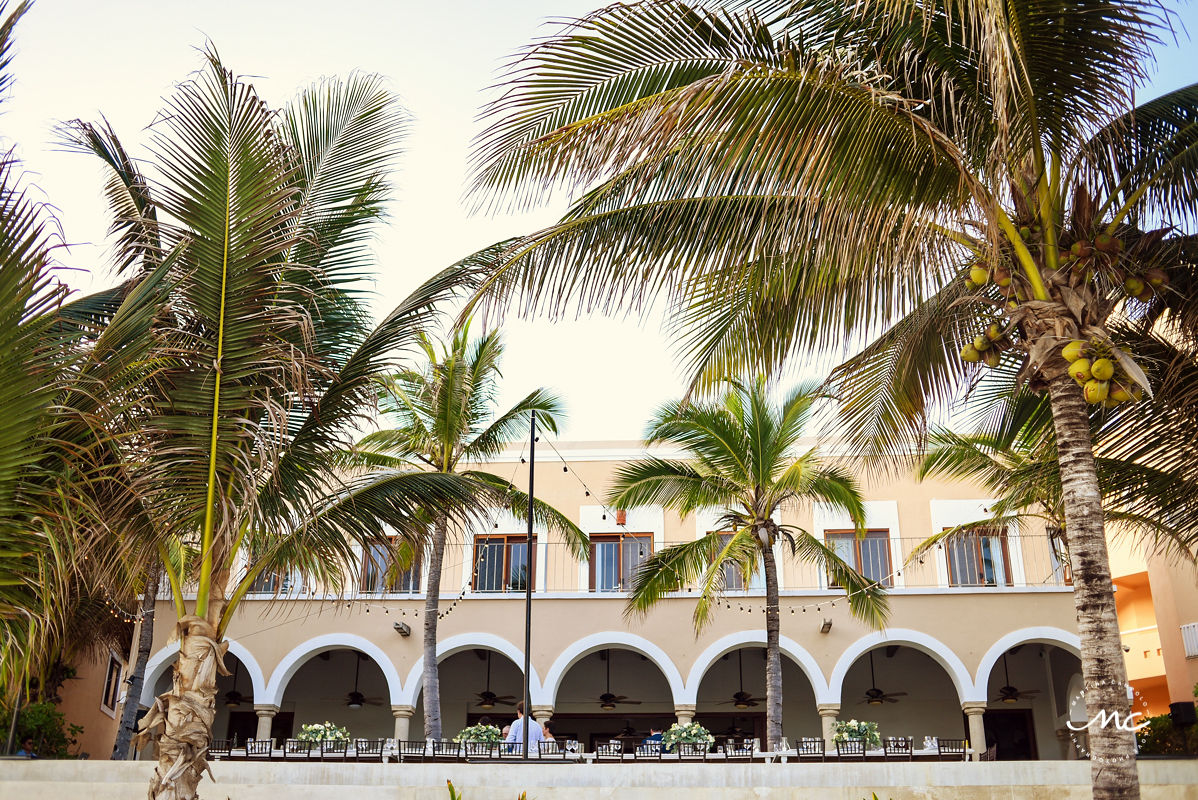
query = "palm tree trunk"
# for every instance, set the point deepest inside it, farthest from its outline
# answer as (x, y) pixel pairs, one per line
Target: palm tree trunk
(137, 676)
(432, 599)
(1104, 672)
(185, 713)
(773, 652)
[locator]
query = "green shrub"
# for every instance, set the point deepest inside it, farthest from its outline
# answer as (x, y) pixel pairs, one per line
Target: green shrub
(1160, 738)
(53, 736)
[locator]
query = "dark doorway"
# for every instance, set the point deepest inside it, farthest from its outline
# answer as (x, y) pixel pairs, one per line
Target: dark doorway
(243, 725)
(1011, 731)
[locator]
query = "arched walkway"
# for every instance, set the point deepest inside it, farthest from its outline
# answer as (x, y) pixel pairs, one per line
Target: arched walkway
(471, 641)
(733, 641)
(963, 682)
(299, 655)
(164, 658)
(612, 640)
(1041, 634)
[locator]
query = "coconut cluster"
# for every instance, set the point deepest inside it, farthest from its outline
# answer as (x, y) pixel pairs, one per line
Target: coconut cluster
(1091, 364)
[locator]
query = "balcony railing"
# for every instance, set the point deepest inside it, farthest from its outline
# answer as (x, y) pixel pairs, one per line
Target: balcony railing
(980, 563)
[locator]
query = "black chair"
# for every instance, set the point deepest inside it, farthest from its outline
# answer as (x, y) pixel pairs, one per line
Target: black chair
(551, 749)
(692, 751)
(811, 748)
(899, 748)
(479, 750)
(951, 749)
(989, 754)
(219, 748)
(259, 749)
(648, 751)
(414, 752)
(512, 751)
(333, 749)
(369, 749)
(851, 750)
(297, 749)
(446, 751)
(738, 750)
(609, 751)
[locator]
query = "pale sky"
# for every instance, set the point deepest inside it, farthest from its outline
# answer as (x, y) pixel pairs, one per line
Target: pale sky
(120, 57)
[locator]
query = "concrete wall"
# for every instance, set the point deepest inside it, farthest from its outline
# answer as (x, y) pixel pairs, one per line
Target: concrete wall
(1018, 780)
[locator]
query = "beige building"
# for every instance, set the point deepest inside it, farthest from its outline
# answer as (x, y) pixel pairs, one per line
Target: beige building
(968, 619)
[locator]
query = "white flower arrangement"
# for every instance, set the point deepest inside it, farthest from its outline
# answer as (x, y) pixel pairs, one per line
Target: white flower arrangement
(843, 731)
(321, 732)
(479, 733)
(692, 733)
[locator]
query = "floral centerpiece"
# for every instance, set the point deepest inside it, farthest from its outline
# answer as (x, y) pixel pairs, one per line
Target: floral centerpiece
(692, 733)
(322, 732)
(479, 733)
(843, 731)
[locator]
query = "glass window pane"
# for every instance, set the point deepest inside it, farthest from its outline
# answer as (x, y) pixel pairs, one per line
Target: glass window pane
(733, 579)
(635, 551)
(875, 557)
(489, 563)
(607, 572)
(517, 566)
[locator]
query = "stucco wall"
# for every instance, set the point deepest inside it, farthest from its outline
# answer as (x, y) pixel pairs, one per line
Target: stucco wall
(1018, 780)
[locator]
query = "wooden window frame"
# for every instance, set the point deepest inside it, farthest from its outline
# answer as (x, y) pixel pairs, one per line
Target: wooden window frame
(644, 537)
(976, 537)
(416, 570)
(888, 573)
(112, 684)
(508, 540)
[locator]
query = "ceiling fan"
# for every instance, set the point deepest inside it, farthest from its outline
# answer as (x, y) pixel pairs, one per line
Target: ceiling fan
(234, 698)
(607, 700)
(486, 698)
(356, 699)
(741, 699)
(1008, 693)
(875, 696)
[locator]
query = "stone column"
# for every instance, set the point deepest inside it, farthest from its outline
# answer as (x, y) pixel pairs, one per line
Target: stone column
(977, 731)
(403, 719)
(266, 715)
(542, 714)
(828, 713)
(685, 714)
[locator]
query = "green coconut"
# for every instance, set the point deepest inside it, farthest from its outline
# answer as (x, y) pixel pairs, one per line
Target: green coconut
(1074, 350)
(1102, 369)
(992, 357)
(1079, 370)
(1096, 391)
(1133, 286)
(970, 353)
(1156, 277)
(979, 275)
(981, 343)
(994, 332)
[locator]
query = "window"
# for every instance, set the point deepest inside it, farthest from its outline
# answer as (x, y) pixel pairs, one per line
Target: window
(276, 582)
(379, 573)
(980, 558)
(734, 579)
(615, 558)
(501, 562)
(112, 684)
(869, 556)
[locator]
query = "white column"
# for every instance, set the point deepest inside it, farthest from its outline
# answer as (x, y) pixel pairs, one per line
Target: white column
(828, 712)
(685, 714)
(977, 730)
(542, 714)
(266, 715)
(403, 720)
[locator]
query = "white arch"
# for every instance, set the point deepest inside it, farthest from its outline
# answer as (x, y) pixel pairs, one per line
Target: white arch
(1040, 633)
(963, 682)
(733, 641)
(620, 640)
(472, 641)
(161, 660)
(320, 644)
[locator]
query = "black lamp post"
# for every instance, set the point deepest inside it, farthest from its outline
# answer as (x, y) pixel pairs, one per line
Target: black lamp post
(532, 461)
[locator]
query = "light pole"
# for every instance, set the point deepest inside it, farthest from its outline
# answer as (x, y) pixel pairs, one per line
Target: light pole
(532, 462)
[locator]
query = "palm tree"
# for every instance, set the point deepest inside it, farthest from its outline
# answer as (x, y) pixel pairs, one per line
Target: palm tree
(743, 458)
(443, 418)
(803, 173)
(259, 362)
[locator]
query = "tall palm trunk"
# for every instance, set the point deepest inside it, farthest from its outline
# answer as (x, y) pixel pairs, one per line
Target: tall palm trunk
(773, 652)
(432, 599)
(186, 712)
(137, 675)
(1104, 673)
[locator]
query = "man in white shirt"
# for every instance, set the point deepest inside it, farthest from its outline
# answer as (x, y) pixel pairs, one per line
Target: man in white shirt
(516, 734)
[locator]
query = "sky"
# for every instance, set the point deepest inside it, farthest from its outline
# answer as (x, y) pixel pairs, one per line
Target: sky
(78, 59)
